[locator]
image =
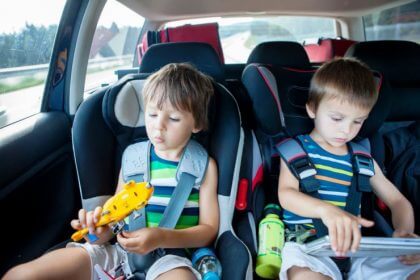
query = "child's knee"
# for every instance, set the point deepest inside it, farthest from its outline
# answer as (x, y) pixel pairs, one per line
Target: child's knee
(296, 272)
(18, 272)
(177, 273)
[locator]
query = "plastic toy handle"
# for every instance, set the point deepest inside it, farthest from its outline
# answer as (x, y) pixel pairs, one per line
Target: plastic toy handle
(78, 235)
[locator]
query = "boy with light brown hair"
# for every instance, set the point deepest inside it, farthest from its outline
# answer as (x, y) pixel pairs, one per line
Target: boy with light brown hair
(176, 100)
(342, 94)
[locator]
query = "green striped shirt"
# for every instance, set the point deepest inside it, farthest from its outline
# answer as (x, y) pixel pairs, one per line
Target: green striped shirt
(162, 174)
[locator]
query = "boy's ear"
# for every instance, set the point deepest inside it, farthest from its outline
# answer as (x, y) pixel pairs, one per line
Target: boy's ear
(310, 110)
(196, 129)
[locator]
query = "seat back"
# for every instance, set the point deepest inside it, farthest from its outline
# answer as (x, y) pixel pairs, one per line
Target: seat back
(254, 191)
(277, 80)
(399, 61)
(279, 92)
(326, 49)
(275, 72)
(204, 33)
(115, 116)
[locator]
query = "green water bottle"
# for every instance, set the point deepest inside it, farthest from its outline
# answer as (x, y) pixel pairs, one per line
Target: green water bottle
(271, 242)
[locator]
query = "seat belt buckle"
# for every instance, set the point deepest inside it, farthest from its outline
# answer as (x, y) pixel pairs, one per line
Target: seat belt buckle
(123, 269)
(305, 172)
(118, 227)
(300, 234)
(364, 165)
(303, 168)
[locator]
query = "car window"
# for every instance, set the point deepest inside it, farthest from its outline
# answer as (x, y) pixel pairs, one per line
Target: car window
(26, 41)
(239, 35)
(399, 23)
(114, 44)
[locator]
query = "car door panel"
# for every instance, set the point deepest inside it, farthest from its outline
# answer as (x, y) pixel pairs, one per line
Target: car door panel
(38, 186)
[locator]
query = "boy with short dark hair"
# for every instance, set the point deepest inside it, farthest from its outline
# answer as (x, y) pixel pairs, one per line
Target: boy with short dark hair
(342, 93)
(176, 102)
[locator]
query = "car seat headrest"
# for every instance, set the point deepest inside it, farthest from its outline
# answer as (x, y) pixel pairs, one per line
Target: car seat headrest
(380, 111)
(123, 109)
(201, 55)
(399, 62)
(279, 95)
(291, 54)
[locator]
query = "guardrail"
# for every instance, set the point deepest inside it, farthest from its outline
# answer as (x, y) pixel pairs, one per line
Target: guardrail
(34, 69)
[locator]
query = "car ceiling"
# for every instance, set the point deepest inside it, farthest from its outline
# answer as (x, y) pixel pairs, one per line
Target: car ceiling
(168, 10)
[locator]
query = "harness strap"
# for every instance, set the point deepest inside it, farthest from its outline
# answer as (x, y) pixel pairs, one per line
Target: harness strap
(191, 171)
(362, 171)
(177, 202)
(302, 168)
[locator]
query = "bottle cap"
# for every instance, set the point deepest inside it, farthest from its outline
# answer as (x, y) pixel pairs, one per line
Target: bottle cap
(202, 252)
(272, 209)
(211, 276)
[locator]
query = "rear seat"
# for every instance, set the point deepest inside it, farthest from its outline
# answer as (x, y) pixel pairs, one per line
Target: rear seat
(203, 33)
(325, 49)
(399, 61)
(263, 124)
(277, 80)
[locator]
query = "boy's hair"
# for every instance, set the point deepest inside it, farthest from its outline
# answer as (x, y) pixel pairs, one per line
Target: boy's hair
(347, 79)
(186, 88)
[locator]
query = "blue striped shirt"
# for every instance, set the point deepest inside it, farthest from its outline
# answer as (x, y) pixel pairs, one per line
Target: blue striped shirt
(334, 173)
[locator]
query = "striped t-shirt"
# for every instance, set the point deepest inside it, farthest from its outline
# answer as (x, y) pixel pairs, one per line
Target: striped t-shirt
(162, 174)
(334, 173)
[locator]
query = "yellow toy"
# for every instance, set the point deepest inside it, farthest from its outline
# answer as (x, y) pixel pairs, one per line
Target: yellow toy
(133, 197)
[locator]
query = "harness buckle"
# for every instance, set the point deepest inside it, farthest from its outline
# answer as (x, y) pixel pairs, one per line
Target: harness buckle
(123, 269)
(364, 165)
(118, 227)
(303, 167)
(300, 234)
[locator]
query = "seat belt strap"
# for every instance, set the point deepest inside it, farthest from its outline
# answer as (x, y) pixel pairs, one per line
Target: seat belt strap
(298, 161)
(190, 172)
(363, 169)
(302, 168)
(362, 164)
(178, 200)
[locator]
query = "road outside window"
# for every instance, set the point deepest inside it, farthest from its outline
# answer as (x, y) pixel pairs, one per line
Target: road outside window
(239, 35)
(399, 23)
(27, 32)
(113, 46)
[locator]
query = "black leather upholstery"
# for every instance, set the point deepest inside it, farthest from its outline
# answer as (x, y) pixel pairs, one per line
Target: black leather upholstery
(101, 138)
(201, 55)
(279, 92)
(399, 62)
(290, 54)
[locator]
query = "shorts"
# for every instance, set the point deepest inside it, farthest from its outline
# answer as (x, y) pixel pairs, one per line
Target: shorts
(108, 257)
(361, 268)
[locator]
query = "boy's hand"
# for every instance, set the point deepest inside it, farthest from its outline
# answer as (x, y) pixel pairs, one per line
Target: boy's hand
(89, 219)
(407, 259)
(141, 241)
(343, 229)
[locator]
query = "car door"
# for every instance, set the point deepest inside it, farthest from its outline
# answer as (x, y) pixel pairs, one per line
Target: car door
(52, 57)
(38, 186)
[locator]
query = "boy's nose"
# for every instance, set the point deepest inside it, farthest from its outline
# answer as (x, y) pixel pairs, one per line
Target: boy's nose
(345, 128)
(160, 123)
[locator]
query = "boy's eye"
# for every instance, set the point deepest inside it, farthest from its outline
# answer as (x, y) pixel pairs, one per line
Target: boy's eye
(174, 119)
(358, 122)
(336, 119)
(152, 115)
